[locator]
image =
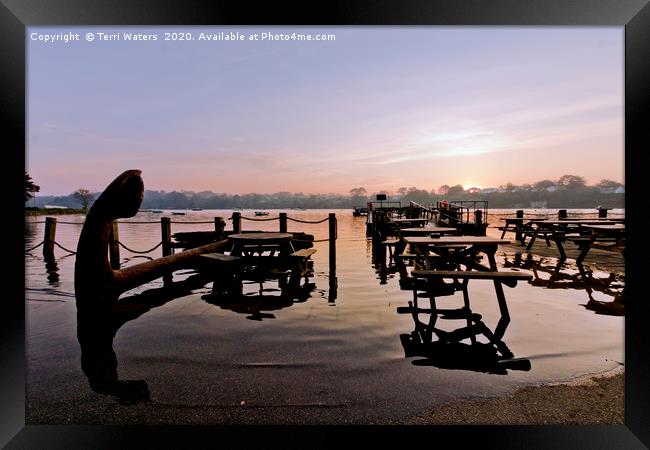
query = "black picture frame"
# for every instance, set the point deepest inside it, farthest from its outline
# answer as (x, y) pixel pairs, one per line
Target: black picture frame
(634, 15)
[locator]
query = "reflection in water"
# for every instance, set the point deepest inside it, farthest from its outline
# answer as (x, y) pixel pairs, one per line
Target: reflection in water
(97, 324)
(449, 351)
(99, 321)
(557, 274)
(256, 304)
(386, 265)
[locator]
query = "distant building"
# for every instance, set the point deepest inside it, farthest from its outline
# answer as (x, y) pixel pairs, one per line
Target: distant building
(489, 190)
(54, 207)
(613, 190)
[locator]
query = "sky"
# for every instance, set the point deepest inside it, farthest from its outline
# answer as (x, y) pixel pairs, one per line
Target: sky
(377, 107)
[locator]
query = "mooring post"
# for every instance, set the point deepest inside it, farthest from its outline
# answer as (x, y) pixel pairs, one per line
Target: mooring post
(561, 214)
(519, 214)
(166, 232)
(283, 222)
(49, 238)
(236, 222)
(332, 240)
(602, 213)
(219, 225)
(114, 246)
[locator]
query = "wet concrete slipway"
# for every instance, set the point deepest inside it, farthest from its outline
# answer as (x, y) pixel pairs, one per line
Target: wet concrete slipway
(332, 357)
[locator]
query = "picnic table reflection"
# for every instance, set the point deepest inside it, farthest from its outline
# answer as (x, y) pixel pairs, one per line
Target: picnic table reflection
(258, 305)
(564, 275)
(449, 352)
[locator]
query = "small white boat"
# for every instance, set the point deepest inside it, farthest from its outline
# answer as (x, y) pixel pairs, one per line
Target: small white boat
(261, 213)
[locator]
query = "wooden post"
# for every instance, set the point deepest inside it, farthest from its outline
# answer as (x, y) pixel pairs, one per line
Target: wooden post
(332, 240)
(219, 225)
(519, 214)
(114, 246)
(49, 238)
(283, 222)
(561, 214)
(236, 222)
(166, 232)
(602, 213)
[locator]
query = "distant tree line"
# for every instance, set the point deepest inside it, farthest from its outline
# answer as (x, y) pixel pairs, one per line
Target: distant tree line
(569, 191)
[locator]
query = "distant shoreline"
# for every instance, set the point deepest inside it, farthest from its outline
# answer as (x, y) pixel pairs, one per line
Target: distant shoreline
(53, 211)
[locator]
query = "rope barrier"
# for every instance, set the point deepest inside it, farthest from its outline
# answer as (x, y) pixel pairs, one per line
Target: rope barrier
(62, 247)
(259, 220)
(139, 252)
(35, 247)
(308, 221)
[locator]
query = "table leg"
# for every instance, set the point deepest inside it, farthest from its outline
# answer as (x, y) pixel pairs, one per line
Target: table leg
(532, 239)
(472, 338)
(560, 248)
(583, 253)
(501, 298)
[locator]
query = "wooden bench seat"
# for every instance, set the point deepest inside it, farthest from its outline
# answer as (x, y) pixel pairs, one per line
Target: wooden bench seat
(220, 258)
(304, 253)
(508, 278)
(300, 266)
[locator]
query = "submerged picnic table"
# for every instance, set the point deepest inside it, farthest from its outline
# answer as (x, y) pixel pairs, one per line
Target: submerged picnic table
(613, 234)
(560, 231)
(419, 222)
(257, 256)
(250, 244)
(452, 252)
(423, 231)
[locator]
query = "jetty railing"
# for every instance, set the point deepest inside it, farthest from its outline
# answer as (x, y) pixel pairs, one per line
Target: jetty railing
(49, 237)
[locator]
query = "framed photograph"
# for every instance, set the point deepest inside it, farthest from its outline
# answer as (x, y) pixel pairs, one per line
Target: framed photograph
(284, 191)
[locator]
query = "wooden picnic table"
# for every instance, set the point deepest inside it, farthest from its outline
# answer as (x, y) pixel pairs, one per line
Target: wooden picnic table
(558, 231)
(410, 222)
(258, 256)
(612, 234)
(251, 244)
(421, 231)
(513, 224)
(476, 244)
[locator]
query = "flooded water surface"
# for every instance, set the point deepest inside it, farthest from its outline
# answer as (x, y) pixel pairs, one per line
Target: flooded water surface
(344, 352)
